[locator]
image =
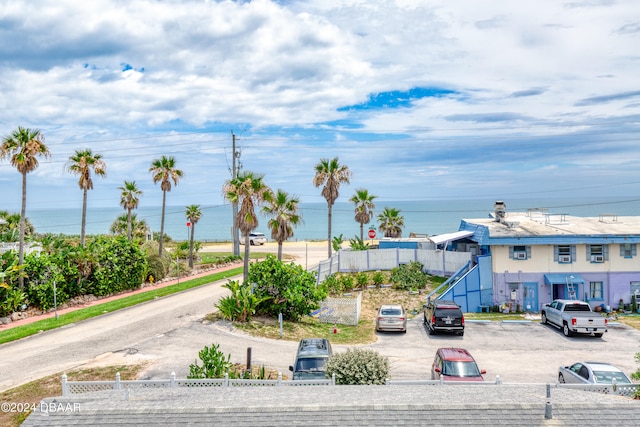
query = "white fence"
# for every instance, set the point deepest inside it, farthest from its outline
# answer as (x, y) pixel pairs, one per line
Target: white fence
(78, 387)
(434, 261)
(28, 247)
(342, 310)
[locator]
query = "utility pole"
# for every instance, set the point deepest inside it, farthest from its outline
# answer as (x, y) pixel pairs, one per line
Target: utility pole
(234, 174)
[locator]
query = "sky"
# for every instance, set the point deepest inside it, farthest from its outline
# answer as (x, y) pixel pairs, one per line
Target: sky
(422, 100)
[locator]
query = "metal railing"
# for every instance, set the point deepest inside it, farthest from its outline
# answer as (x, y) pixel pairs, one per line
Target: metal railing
(78, 387)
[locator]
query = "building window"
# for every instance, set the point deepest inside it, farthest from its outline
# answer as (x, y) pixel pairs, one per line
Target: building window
(596, 290)
(628, 250)
(597, 253)
(520, 252)
(564, 254)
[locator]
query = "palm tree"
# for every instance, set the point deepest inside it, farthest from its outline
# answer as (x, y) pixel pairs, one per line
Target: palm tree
(81, 163)
(23, 146)
(129, 199)
(164, 171)
(193, 213)
(364, 208)
(283, 211)
(124, 224)
(391, 222)
(331, 174)
(248, 190)
(10, 227)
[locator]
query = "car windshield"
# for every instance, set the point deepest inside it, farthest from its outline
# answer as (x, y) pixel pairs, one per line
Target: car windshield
(391, 312)
(606, 377)
(311, 364)
(460, 369)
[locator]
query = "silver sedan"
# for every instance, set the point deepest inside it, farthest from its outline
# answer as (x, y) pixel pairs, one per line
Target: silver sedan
(391, 317)
(591, 373)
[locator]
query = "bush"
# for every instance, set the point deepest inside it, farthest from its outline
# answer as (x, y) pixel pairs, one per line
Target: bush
(378, 278)
(241, 304)
(362, 279)
(284, 288)
(358, 366)
(214, 363)
(409, 276)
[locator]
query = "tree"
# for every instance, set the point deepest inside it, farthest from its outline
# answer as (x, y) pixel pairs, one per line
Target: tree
(10, 227)
(364, 208)
(124, 224)
(129, 199)
(193, 213)
(23, 146)
(331, 174)
(283, 211)
(391, 222)
(164, 171)
(82, 162)
(247, 189)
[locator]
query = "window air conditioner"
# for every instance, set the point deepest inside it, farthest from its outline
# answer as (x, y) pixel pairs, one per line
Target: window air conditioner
(520, 255)
(597, 258)
(564, 258)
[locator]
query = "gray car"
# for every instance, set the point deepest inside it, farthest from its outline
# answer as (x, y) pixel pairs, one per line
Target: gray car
(391, 317)
(591, 373)
(311, 358)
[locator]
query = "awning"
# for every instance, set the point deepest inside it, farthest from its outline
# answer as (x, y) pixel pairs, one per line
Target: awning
(450, 237)
(562, 279)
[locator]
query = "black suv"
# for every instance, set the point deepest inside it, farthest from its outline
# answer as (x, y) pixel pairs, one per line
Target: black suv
(311, 357)
(443, 316)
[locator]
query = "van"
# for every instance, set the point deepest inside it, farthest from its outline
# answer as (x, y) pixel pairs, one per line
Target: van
(311, 358)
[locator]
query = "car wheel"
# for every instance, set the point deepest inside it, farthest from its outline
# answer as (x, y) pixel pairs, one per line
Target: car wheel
(598, 335)
(561, 378)
(431, 331)
(251, 243)
(461, 334)
(566, 331)
(544, 319)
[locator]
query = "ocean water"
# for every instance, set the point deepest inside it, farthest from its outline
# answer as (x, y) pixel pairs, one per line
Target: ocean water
(430, 217)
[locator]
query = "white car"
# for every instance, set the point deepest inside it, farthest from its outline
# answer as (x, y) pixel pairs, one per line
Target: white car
(255, 239)
(591, 373)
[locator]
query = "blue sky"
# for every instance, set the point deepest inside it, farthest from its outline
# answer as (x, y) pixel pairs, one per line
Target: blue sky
(422, 100)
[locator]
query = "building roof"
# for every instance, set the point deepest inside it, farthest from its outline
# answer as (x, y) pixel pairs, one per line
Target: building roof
(536, 227)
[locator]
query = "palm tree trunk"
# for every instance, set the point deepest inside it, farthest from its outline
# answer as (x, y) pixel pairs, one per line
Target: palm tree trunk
(362, 231)
(245, 275)
(164, 199)
(129, 224)
(191, 246)
(84, 216)
(329, 233)
(23, 220)
(279, 251)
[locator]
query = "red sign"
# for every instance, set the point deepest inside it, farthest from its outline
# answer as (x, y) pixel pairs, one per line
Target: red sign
(372, 234)
(188, 224)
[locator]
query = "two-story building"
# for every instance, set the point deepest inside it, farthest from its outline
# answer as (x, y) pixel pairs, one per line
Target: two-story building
(526, 259)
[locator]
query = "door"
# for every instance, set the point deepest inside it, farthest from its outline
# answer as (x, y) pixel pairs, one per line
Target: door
(530, 299)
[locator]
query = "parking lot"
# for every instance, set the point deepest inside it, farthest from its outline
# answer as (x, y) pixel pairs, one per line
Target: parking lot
(516, 351)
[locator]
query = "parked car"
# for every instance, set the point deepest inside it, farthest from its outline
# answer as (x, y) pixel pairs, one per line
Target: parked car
(591, 373)
(255, 239)
(455, 364)
(573, 317)
(443, 316)
(311, 357)
(391, 317)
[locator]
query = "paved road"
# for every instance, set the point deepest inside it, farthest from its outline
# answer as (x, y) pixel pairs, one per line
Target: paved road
(169, 332)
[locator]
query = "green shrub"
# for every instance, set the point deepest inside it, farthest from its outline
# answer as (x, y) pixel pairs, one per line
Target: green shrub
(214, 363)
(357, 244)
(378, 278)
(241, 304)
(358, 366)
(362, 279)
(409, 276)
(284, 288)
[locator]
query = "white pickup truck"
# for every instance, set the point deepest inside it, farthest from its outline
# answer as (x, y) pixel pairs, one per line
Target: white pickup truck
(574, 317)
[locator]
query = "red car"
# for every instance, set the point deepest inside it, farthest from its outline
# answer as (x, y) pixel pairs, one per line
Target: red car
(455, 364)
